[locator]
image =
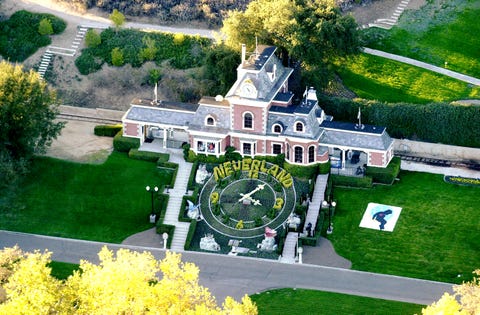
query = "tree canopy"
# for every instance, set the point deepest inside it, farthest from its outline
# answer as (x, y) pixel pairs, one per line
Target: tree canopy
(123, 283)
(27, 113)
(117, 18)
(465, 301)
(313, 32)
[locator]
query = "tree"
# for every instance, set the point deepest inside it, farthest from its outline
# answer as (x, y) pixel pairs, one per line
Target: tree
(313, 32)
(117, 57)
(468, 295)
(125, 283)
(92, 38)
(45, 27)
(27, 115)
(117, 18)
(220, 64)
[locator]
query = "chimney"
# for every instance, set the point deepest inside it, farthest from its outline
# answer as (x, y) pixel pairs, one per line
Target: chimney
(244, 53)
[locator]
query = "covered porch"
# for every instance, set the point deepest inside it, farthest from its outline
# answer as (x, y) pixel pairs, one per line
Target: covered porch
(347, 162)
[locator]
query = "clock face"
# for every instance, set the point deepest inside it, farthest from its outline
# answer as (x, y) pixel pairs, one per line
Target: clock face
(248, 90)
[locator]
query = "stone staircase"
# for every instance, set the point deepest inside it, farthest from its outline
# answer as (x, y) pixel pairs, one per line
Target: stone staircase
(316, 203)
(388, 23)
(288, 253)
(175, 201)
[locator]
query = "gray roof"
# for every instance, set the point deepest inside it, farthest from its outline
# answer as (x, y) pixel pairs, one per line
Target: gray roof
(220, 114)
(367, 138)
(163, 116)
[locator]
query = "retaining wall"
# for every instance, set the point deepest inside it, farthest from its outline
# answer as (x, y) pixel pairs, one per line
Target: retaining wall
(435, 150)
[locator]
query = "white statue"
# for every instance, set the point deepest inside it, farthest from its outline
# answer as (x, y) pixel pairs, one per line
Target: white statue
(202, 174)
(193, 211)
(208, 243)
(293, 221)
(268, 244)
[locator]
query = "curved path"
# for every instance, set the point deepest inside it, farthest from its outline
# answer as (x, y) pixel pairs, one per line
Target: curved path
(236, 276)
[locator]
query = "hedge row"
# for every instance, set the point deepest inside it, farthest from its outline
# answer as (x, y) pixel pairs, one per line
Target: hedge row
(190, 234)
(125, 144)
(385, 175)
(361, 182)
(452, 124)
(313, 240)
(107, 130)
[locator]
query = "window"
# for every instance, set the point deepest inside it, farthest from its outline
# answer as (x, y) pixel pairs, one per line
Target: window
(200, 146)
(277, 149)
(210, 121)
(247, 149)
(277, 128)
(298, 155)
(311, 154)
(248, 121)
(299, 127)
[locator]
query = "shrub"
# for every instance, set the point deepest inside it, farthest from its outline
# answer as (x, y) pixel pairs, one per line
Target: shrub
(385, 175)
(92, 38)
(362, 182)
(301, 171)
(144, 155)
(124, 144)
(117, 57)
(324, 168)
(45, 27)
(190, 234)
(107, 130)
(88, 63)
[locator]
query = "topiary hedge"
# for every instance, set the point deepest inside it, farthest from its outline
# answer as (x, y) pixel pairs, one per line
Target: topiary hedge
(107, 130)
(385, 175)
(144, 155)
(125, 144)
(360, 182)
(190, 234)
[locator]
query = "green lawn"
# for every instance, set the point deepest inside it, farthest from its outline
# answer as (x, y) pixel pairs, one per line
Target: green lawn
(377, 78)
(105, 202)
(299, 301)
(436, 236)
(441, 31)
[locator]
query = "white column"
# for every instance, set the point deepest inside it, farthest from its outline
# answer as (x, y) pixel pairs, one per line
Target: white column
(343, 159)
(164, 138)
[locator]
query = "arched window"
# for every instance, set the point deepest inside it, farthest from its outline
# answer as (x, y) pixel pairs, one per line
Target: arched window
(311, 154)
(298, 155)
(277, 128)
(248, 121)
(210, 121)
(299, 127)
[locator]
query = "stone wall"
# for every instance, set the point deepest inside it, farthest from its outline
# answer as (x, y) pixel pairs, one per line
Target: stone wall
(434, 150)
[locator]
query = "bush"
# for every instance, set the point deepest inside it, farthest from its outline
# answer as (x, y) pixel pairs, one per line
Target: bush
(107, 130)
(124, 144)
(301, 171)
(324, 168)
(143, 155)
(92, 38)
(87, 62)
(45, 27)
(191, 233)
(117, 57)
(361, 182)
(384, 175)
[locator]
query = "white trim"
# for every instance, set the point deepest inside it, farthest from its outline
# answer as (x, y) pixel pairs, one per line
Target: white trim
(207, 118)
(253, 148)
(295, 126)
(294, 154)
(273, 128)
(282, 149)
(243, 120)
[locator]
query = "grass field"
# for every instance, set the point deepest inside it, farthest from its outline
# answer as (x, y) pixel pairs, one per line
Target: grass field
(441, 31)
(299, 301)
(436, 236)
(105, 202)
(377, 78)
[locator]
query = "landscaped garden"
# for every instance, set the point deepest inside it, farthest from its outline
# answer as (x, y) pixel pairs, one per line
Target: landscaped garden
(105, 202)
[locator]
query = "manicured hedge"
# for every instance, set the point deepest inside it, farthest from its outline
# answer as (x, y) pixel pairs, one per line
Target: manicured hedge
(324, 168)
(313, 240)
(124, 144)
(107, 130)
(361, 182)
(385, 175)
(172, 166)
(301, 171)
(452, 124)
(191, 233)
(144, 155)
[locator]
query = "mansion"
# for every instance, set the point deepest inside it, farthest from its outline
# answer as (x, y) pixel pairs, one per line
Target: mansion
(258, 117)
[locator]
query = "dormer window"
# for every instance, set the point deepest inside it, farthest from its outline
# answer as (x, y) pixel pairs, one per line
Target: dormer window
(210, 121)
(248, 120)
(299, 126)
(277, 128)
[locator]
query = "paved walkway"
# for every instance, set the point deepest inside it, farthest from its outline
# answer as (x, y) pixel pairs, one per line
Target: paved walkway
(450, 73)
(235, 276)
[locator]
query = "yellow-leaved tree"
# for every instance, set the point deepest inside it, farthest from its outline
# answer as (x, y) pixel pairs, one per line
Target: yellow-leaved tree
(465, 301)
(123, 283)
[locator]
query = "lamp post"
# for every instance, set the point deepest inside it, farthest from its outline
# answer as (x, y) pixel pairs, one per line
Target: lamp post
(300, 252)
(330, 206)
(152, 190)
